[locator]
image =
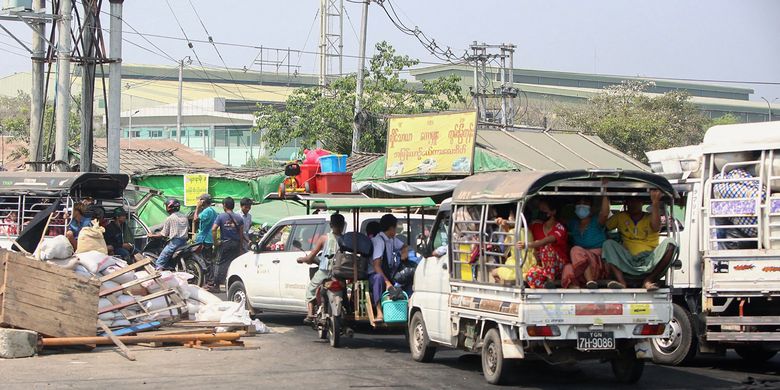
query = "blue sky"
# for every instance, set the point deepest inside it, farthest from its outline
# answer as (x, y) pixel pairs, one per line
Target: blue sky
(714, 39)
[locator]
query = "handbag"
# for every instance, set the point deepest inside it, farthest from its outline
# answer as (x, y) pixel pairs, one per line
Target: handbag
(344, 264)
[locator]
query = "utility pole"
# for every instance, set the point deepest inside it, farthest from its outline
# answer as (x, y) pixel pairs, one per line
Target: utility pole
(36, 92)
(63, 83)
(480, 92)
(331, 42)
(178, 106)
(768, 107)
(114, 132)
(359, 120)
(89, 54)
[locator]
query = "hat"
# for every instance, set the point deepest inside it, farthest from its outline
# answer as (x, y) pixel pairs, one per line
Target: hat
(205, 198)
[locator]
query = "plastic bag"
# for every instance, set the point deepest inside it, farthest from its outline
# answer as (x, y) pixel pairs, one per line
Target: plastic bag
(201, 295)
(92, 260)
(91, 239)
(83, 271)
(55, 248)
(70, 263)
(313, 156)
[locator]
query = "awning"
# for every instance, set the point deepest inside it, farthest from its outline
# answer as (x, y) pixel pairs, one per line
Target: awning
(405, 188)
(372, 203)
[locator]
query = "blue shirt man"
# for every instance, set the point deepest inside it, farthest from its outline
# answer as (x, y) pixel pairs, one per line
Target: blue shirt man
(230, 226)
(205, 215)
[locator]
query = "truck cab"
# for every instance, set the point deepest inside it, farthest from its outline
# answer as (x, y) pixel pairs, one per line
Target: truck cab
(725, 291)
(457, 305)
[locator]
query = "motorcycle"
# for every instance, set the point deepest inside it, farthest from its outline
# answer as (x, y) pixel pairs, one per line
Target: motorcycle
(332, 303)
(187, 258)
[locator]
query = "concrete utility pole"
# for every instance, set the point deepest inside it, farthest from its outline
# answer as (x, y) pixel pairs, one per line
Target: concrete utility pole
(36, 92)
(358, 122)
(114, 133)
(89, 54)
(63, 82)
(178, 106)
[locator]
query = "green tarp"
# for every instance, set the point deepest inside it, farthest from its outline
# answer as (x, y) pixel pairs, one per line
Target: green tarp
(484, 161)
(219, 187)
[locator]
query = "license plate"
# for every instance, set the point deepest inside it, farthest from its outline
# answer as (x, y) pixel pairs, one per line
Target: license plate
(590, 341)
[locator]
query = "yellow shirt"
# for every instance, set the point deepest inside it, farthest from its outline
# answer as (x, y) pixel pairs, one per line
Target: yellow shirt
(637, 238)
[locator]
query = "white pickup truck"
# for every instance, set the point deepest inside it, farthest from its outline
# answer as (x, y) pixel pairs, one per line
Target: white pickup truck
(456, 305)
(726, 292)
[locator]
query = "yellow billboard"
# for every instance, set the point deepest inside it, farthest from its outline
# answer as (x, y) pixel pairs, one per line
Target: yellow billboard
(431, 144)
(195, 185)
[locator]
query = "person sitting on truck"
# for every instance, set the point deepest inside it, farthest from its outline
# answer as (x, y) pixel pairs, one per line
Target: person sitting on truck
(587, 236)
(118, 236)
(10, 224)
(640, 255)
(550, 243)
(507, 274)
(384, 264)
(326, 246)
(78, 222)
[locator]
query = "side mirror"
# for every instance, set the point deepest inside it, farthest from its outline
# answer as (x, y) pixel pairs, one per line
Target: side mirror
(297, 245)
(254, 247)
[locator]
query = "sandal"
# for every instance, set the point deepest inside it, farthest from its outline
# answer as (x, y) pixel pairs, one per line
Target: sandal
(650, 286)
(309, 320)
(615, 285)
(592, 285)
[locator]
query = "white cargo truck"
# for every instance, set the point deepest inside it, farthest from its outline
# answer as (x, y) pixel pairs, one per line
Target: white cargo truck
(457, 305)
(727, 292)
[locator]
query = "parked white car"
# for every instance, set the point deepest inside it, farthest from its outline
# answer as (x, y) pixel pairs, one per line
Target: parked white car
(270, 278)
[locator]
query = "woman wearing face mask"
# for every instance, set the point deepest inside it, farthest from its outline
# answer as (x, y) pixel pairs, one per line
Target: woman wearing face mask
(550, 243)
(588, 235)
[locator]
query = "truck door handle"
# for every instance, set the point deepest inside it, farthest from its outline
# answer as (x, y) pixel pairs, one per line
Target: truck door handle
(444, 266)
(276, 261)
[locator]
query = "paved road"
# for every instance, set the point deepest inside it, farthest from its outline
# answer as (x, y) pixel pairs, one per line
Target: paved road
(292, 358)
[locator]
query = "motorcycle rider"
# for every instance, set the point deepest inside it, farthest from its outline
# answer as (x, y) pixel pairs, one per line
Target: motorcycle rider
(328, 245)
(175, 228)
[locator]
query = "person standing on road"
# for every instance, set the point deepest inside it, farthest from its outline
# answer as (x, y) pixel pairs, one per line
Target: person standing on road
(231, 232)
(328, 245)
(246, 205)
(205, 216)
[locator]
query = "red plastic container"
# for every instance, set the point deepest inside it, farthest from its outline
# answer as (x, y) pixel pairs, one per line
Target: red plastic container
(328, 183)
(308, 171)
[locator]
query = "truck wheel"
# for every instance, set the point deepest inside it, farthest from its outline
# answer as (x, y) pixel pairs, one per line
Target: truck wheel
(626, 367)
(494, 366)
(755, 354)
(419, 343)
(680, 344)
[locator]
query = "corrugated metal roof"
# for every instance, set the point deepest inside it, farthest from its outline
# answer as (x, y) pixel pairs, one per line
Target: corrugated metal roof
(536, 149)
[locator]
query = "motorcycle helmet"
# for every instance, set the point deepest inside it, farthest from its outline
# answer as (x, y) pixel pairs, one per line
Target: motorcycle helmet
(172, 205)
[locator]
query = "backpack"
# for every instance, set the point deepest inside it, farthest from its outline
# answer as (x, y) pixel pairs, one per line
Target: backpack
(347, 257)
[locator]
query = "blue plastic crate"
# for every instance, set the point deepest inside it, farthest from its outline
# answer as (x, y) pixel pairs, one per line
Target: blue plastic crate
(395, 311)
(333, 163)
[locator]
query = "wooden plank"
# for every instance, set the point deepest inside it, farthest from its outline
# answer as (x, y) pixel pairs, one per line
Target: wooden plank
(131, 267)
(127, 285)
(46, 298)
(122, 347)
(138, 301)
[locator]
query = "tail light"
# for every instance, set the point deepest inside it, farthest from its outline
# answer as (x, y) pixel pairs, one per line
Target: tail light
(543, 331)
(650, 330)
(334, 285)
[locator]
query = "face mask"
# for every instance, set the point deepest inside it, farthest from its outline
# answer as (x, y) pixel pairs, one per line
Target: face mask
(582, 211)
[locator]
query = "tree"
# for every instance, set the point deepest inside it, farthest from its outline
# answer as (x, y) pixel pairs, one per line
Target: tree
(15, 123)
(727, 119)
(634, 122)
(325, 115)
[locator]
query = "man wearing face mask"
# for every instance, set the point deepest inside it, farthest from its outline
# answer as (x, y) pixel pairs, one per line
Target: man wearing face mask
(587, 235)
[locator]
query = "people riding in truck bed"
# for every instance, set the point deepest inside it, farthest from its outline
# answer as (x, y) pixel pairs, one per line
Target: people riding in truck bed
(640, 255)
(551, 246)
(78, 222)
(587, 233)
(387, 247)
(507, 273)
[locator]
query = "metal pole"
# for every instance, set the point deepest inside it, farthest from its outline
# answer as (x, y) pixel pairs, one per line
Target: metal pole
(323, 41)
(114, 133)
(178, 107)
(36, 92)
(63, 82)
(341, 38)
(769, 108)
(357, 123)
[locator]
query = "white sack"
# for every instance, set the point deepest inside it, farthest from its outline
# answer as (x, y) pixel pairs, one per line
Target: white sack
(55, 248)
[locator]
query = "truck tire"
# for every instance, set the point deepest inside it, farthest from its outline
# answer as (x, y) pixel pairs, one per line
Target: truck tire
(755, 354)
(494, 366)
(419, 343)
(626, 367)
(681, 345)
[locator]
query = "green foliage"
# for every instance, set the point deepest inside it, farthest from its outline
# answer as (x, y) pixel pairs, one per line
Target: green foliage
(727, 119)
(635, 122)
(260, 162)
(15, 123)
(326, 115)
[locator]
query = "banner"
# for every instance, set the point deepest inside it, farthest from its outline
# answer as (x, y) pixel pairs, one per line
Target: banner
(431, 144)
(195, 185)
